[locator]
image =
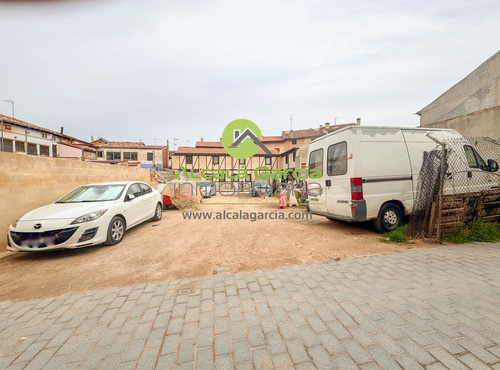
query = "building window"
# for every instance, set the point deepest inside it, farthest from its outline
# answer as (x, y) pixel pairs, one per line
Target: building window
(7, 146)
(130, 156)
(32, 149)
(44, 151)
(150, 156)
(100, 154)
(189, 159)
(20, 146)
(44, 136)
(215, 159)
(277, 149)
(7, 127)
(294, 142)
(111, 156)
(54, 150)
(286, 159)
(268, 160)
(294, 156)
(242, 160)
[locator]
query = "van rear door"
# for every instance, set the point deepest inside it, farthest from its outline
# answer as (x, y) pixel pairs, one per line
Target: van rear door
(337, 180)
(316, 187)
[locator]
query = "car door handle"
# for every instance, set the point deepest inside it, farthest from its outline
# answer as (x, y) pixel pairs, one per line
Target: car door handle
(328, 182)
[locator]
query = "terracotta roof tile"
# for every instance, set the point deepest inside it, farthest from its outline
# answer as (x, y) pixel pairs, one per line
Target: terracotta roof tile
(209, 144)
(212, 151)
(16, 121)
(126, 145)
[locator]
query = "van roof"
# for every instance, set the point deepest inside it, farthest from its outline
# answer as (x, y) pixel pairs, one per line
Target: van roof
(382, 128)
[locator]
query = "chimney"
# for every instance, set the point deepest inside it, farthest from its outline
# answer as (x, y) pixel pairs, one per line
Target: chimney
(62, 130)
(92, 138)
(358, 121)
(201, 140)
(327, 125)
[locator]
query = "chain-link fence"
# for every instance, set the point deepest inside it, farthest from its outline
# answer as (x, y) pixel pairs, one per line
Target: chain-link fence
(456, 183)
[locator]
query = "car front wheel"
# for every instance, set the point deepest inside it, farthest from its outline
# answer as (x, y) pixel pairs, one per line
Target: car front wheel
(116, 230)
(158, 213)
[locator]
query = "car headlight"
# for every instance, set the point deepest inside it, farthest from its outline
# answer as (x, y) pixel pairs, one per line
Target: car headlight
(14, 224)
(89, 217)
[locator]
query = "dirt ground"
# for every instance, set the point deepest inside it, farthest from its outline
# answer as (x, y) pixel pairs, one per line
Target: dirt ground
(175, 248)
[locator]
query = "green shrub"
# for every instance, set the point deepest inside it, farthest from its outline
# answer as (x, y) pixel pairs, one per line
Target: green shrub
(475, 231)
(397, 236)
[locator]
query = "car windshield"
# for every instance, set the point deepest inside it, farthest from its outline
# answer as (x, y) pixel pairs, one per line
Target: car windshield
(204, 183)
(93, 193)
(261, 183)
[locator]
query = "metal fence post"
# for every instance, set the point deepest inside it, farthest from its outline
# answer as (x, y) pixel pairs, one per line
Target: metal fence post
(441, 187)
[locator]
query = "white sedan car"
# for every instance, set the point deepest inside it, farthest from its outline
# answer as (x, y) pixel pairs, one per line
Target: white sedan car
(92, 214)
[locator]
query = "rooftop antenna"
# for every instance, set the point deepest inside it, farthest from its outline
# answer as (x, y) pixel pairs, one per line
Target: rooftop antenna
(11, 102)
(154, 140)
(187, 142)
(175, 139)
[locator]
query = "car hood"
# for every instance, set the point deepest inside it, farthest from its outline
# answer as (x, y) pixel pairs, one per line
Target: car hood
(56, 211)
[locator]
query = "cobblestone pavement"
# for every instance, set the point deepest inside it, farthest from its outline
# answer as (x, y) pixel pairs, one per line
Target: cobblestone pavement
(431, 308)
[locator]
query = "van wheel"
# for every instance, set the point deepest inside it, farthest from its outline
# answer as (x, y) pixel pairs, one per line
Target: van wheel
(389, 218)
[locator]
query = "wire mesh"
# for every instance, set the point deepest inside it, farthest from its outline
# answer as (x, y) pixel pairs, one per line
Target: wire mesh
(470, 175)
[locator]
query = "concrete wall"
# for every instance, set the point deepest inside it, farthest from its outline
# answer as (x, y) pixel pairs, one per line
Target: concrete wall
(28, 182)
(479, 91)
(477, 124)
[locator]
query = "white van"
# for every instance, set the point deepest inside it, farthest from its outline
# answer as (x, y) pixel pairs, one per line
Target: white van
(371, 173)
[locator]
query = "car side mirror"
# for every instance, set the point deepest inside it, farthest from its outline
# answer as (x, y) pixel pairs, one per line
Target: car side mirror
(492, 165)
(129, 197)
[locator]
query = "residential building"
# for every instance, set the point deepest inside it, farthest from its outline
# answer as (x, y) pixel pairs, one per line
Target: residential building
(289, 150)
(472, 106)
(132, 153)
(21, 137)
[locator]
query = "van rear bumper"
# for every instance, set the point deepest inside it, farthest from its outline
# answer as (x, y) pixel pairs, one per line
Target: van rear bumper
(358, 209)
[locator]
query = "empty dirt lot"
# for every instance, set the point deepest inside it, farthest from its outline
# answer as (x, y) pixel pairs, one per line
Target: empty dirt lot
(175, 248)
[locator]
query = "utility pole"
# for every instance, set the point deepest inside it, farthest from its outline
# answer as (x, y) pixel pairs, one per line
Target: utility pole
(11, 102)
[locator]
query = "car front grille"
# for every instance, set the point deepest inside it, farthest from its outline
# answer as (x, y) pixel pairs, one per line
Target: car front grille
(40, 240)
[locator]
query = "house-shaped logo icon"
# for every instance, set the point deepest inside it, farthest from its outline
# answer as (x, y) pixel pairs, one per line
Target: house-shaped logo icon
(242, 139)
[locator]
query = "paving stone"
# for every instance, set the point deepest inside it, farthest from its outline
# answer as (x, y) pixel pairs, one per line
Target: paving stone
(204, 359)
(241, 351)
(222, 345)
(321, 358)
(224, 362)
(186, 352)
(297, 352)
(423, 308)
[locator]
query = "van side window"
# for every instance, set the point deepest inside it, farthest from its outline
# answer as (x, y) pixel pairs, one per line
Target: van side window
(337, 159)
(316, 160)
(474, 160)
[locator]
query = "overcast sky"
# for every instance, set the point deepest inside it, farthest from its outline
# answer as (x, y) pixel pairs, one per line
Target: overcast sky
(156, 70)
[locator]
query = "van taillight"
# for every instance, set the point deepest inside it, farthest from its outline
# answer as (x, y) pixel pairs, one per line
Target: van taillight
(356, 181)
(356, 188)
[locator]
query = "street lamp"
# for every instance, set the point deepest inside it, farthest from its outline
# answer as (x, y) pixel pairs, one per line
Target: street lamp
(11, 102)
